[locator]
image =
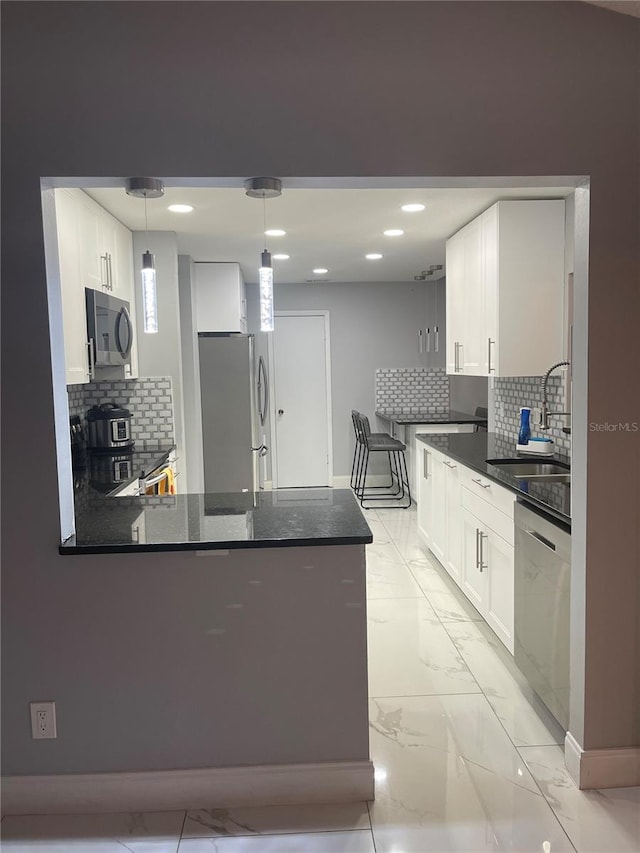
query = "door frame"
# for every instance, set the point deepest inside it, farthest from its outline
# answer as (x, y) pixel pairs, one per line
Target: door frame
(302, 312)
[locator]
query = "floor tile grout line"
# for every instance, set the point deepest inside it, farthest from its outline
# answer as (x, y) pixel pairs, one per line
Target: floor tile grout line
(373, 838)
(545, 798)
(184, 820)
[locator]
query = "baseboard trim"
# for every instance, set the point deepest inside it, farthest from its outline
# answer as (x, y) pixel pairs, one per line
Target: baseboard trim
(217, 787)
(601, 768)
(343, 481)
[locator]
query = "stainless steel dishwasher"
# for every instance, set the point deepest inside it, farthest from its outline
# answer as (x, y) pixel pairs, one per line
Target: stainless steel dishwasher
(541, 619)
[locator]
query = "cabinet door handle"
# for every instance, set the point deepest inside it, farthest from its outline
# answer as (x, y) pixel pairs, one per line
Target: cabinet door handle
(110, 272)
(489, 368)
(428, 331)
(481, 484)
(483, 565)
(420, 342)
(449, 465)
(436, 332)
(425, 464)
(455, 357)
(104, 271)
(477, 548)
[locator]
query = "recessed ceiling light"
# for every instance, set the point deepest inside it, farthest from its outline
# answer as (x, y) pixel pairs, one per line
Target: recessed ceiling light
(180, 208)
(320, 271)
(280, 257)
(373, 256)
(412, 208)
(275, 232)
(393, 232)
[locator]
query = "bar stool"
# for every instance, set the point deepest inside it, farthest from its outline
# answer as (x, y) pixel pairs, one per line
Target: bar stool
(397, 493)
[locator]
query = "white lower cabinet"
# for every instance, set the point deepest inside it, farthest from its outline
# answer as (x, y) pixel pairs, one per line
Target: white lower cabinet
(470, 534)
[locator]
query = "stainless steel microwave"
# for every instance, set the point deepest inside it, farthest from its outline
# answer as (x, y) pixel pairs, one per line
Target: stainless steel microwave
(109, 329)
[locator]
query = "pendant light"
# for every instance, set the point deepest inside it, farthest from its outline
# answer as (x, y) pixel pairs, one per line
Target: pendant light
(147, 188)
(265, 188)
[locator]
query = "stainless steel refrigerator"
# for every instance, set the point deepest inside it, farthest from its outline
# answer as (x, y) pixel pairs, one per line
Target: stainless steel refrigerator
(234, 397)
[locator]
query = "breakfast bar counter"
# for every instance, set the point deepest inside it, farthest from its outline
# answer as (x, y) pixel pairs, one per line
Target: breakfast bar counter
(217, 521)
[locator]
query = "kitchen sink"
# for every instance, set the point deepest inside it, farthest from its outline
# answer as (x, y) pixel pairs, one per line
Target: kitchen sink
(533, 469)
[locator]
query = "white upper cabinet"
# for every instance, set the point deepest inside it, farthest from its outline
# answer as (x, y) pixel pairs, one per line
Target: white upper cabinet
(95, 251)
(505, 290)
(221, 303)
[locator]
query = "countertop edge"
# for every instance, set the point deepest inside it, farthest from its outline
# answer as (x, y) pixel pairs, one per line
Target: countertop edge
(412, 419)
(524, 497)
(234, 545)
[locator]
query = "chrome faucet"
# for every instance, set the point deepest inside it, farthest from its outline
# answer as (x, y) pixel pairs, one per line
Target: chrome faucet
(544, 411)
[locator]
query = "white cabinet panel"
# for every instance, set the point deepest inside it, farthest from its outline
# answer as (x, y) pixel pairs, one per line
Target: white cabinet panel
(505, 290)
(453, 545)
(499, 604)
(221, 304)
(438, 508)
(74, 315)
(473, 574)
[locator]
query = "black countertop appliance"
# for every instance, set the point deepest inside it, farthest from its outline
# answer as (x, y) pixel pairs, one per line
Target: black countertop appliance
(109, 428)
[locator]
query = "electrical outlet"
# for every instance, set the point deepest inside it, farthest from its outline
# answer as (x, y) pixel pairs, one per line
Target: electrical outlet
(43, 720)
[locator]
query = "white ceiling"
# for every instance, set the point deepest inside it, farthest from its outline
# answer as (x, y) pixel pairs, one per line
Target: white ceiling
(332, 228)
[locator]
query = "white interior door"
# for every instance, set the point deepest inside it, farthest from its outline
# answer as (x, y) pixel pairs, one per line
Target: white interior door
(301, 406)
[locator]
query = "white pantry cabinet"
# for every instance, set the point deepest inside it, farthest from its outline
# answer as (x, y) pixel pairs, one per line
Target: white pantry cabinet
(221, 302)
(505, 290)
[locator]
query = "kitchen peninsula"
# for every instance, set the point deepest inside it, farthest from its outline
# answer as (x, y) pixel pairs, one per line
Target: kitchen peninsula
(258, 600)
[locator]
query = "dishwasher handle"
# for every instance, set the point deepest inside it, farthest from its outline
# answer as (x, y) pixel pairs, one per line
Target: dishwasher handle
(542, 539)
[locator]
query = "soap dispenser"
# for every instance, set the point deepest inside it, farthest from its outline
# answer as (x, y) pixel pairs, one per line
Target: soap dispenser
(525, 429)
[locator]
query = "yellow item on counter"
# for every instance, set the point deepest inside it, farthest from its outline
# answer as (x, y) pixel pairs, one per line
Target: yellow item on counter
(167, 486)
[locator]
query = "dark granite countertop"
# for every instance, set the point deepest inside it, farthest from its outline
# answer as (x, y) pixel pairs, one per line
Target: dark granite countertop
(198, 522)
(473, 450)
(450, 416)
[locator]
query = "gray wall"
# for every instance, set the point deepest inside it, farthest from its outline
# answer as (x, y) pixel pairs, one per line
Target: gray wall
(371, 325)
(172, 88)
(160, 354)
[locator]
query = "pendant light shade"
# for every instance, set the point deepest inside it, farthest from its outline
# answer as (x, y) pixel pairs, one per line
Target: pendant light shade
(265, 275)
(149, 294)
(147, 188)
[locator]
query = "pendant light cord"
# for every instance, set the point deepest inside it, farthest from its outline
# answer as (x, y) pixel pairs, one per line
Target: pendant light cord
(146, 224)
(264, 221)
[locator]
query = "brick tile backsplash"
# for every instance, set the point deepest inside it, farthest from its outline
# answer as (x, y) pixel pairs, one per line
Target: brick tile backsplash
(411, 389)
(511, 393)
(149, 399)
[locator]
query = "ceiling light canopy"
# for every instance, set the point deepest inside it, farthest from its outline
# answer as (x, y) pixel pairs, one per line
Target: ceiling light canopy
(275, 232)
(373, 256)
(320, 271)
(263, 187)
(180, 208)
(412, 208)
(393, 232)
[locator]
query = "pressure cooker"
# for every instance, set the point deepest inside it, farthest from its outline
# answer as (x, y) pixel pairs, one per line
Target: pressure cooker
(109, 427)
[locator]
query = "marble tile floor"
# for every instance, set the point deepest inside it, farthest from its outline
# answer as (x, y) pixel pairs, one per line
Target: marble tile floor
(466, 759)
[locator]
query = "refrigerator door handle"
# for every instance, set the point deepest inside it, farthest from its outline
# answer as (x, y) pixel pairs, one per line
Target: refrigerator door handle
(263, 391)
